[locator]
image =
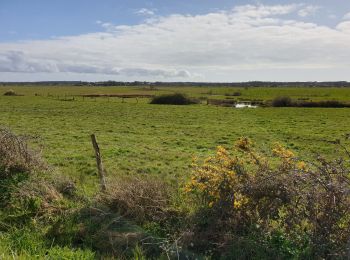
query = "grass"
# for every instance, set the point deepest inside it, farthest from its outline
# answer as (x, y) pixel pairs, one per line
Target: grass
(138, 138)
(259, 93)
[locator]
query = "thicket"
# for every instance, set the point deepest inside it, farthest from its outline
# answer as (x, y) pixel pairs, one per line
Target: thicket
(32, 197)
(238, 203)
(173, 99)
(10, 93)
(280, 207)
(288, 102)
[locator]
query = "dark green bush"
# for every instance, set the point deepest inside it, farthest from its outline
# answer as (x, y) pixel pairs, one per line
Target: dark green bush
(325, 104)
(282, 102)
(288, 102)
(173, 99)
(234, 94)
(10, 93)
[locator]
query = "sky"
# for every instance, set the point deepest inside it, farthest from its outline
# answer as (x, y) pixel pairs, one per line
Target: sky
(182, 40)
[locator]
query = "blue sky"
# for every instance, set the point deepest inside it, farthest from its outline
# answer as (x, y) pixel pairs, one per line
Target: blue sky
(193, 40)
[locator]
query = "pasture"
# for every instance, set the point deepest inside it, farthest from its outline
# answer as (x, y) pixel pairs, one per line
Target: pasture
(158, 142)
(140, 138)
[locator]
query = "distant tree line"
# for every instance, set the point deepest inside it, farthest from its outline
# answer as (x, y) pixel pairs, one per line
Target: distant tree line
(183, 84)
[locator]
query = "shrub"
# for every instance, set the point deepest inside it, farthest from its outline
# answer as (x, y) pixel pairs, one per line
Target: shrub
(139, 199)
(326, 104)
(173, 99)
(288, 102)
(27, 187)
(15, 156)
(234, 94)
(301, 208)
(222, 102)
(17, 163)
(10, 92)
(282, 102)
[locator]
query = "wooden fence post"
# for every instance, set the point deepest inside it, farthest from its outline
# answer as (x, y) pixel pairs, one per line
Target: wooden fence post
(100, 169)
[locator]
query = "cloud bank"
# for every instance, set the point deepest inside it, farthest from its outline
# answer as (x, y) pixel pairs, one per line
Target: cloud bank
(250, 42)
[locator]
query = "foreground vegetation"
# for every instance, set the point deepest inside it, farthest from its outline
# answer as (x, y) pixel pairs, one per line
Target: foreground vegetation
(157, 204)
(236, 204)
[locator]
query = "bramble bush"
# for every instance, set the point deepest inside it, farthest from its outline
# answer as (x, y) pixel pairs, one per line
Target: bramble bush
(297, 208)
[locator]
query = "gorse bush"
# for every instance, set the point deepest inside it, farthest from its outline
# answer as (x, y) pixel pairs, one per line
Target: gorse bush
(245, 192)
(173, 99)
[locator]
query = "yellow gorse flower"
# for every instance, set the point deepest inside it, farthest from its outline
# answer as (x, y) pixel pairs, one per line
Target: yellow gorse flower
(243, 144)
(216, 177)
(217, 180)
(301, 165)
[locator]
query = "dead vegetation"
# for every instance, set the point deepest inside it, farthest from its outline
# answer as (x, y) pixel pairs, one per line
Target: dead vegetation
(140, 199)
(15, 156)
(10, 92)
(28, 187)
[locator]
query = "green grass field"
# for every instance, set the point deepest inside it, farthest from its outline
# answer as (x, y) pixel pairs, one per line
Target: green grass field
(260, 93)
(139, 138)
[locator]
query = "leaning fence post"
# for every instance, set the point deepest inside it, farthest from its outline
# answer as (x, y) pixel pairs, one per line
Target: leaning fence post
(100, 169)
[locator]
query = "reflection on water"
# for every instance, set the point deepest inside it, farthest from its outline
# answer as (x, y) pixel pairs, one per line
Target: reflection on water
(244, 105)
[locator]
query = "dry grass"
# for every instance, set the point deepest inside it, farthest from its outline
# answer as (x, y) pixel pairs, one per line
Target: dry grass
(141, 199)
(10, 92)
(15, 156)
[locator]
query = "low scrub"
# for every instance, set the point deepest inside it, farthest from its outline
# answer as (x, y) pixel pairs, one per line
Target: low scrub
(17, 164)
(10, 93)
(15, 156)
(133, 215)
(288, 102)
(139, 199)
(295, 208)
(234, 94)
(28, 189)
(326, 104)
(222, 102)
(282, 102)
(173, 99)
(237, 204)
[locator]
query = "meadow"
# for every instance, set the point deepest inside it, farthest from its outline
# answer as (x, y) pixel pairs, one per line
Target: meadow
(137, 138)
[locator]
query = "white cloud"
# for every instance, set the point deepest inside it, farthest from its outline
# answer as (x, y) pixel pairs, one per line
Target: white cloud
(256, 41)
(347, 16)
(344, 27)
(308, 10)
(145, 11)
(256, 11)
